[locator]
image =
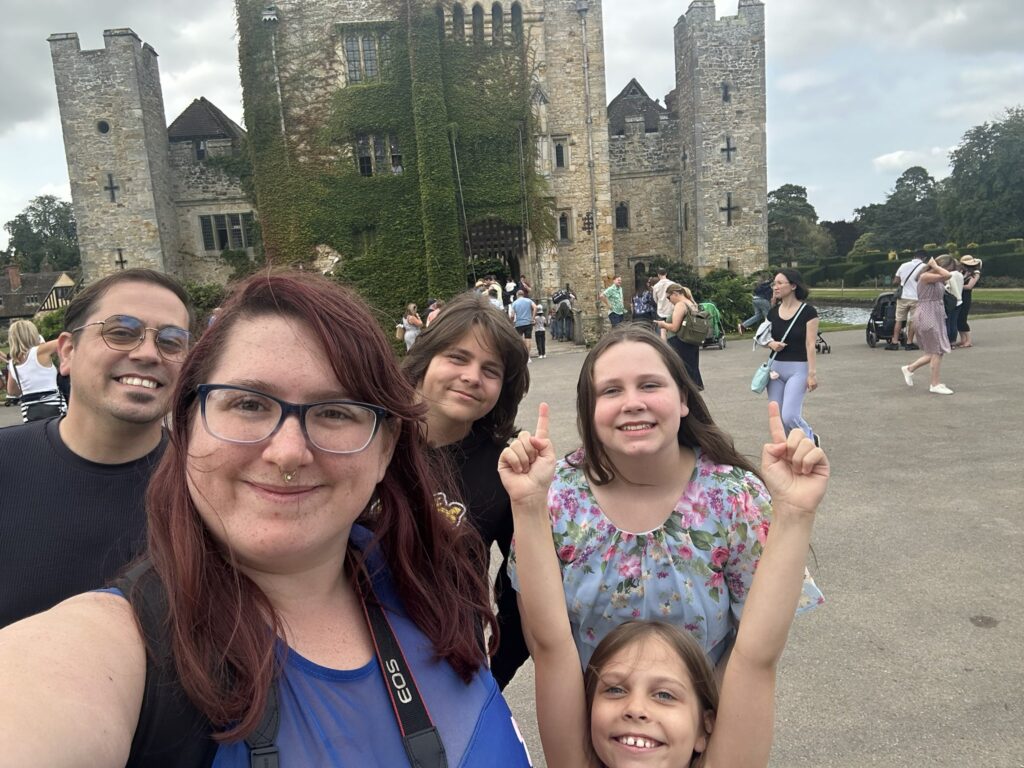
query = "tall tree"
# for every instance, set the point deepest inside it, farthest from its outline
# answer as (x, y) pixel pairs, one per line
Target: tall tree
(793, 229)
(983, 198)
(44, 231)
(909, 217)
(845, 234)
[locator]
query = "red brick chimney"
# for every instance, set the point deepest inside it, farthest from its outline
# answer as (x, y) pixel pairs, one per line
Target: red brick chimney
(14, 276)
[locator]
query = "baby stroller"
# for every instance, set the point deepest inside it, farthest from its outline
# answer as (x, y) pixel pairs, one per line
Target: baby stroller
(716, 331)
(883, 320)
(821, 346)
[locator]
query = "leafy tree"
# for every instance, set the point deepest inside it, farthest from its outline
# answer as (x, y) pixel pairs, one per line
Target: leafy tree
(983, 198)
(45, 230)
(793, 229)
(909, 216)
(844, 233)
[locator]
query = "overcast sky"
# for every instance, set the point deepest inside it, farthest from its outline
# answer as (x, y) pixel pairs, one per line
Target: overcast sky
(857, 91)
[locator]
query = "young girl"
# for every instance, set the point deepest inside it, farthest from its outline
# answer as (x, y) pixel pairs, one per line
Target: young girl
(657, 516)
(794, 359)
(648, 694)
(469, 368)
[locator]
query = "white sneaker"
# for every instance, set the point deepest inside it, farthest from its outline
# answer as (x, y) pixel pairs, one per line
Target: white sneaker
(940, 389)
(908, 375)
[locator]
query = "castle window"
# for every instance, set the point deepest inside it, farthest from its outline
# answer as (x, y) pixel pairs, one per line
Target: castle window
(622, 216)
(31, 299)
(497, 23)
(686, 216)
(378, 154)
(227, 230)
(366, 56)
(440, 20)
(564, 233)
(478, 24)
(726, 93)
(103, 126)
(561, 144)
(517, 22)
(458, 22)
(199, 148)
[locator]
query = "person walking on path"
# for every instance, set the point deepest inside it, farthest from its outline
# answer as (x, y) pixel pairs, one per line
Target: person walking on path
(762, 300)
(523, 313)
(612, 297)
(540, 324)
(906, 276)
(32, 375)
(930, 319)
(971, 268)
(795, 361)
(682, 305)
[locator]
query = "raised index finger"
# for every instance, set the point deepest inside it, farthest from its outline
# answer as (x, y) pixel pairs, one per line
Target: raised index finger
(776, 431)
(542, 422)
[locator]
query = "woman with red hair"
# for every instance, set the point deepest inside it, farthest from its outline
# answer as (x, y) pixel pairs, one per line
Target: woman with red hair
(293, 534)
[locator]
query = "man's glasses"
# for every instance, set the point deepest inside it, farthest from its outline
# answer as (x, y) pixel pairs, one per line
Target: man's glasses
(125, 333)
(243, 415)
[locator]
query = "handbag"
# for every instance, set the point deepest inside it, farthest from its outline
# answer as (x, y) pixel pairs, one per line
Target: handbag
(899, 288)
(763, 334)
(764, 371)
(399, 332)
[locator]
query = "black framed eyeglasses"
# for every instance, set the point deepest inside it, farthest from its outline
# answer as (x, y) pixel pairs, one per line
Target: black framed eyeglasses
(125, 333)
(243, 415)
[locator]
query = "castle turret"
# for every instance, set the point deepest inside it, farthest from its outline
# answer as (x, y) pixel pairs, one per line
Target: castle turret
(720, 96)
(115, 138)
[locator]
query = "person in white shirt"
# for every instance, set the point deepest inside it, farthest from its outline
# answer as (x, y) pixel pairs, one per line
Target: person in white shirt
(907, 276)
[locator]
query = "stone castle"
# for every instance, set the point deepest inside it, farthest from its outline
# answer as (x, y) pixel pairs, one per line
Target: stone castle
(685, 181)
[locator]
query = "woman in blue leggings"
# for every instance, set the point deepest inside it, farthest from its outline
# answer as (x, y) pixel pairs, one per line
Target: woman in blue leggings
(793, 372)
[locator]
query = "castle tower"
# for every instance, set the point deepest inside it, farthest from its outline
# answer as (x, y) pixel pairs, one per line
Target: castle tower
(720, 97)
(115, 138)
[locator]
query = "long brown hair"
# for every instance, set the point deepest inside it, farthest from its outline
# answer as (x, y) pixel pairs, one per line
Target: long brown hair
(217, 616)
(631, 633)
(466, 312)
(696, 430)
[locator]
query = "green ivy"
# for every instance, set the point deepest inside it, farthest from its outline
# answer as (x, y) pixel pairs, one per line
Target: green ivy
(400, 236)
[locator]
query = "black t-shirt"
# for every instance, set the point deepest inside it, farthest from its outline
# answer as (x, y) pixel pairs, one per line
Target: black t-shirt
(795, 350)
(67, 525)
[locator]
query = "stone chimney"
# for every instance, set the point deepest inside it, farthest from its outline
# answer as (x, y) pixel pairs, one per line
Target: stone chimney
(14, 277)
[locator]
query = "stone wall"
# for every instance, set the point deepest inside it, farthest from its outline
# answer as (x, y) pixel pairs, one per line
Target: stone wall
(645, 176)
(720, 96)
(114, 128)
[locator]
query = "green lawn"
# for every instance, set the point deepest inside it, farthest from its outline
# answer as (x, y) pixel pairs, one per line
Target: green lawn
(867, 295)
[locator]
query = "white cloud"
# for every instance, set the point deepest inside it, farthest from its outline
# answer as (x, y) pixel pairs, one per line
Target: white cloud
(935, 160)
(804, 80)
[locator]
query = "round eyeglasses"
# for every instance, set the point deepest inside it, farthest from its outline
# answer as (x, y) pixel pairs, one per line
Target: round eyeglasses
(243, 415)
(125, 333)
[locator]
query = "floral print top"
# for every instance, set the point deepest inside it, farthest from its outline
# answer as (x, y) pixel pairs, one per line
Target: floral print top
(693, 571)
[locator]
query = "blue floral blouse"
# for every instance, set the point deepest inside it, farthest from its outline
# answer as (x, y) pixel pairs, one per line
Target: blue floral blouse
(693, 571)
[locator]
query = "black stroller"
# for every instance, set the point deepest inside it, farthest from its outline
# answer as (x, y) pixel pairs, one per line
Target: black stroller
(883, 320)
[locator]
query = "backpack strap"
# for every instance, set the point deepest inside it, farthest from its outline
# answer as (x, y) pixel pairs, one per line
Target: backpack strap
(171, 732)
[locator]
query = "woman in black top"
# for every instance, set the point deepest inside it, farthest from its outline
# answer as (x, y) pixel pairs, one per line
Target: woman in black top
(470, 369)
(794, 370)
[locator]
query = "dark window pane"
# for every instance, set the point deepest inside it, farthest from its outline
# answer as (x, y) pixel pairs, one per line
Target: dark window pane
(478, 23)
(365, 166)
(458, 22)
(248, 232)
(355, 70)
(563, 227)
(206, 225)
(559, 155)
(235, 230)
(370, 58)
(621, 216)
(220, 224)
(380, 154)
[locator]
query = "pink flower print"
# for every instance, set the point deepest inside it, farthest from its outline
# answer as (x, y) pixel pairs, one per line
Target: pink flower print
(609, 553)
(629, 568)
(716, 579)
(719, 556)
(567, 553)
(762, 531)
(685, 552)
(636, 613)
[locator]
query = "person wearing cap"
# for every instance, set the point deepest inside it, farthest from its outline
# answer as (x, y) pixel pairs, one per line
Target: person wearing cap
(971, 267)
(907, 276)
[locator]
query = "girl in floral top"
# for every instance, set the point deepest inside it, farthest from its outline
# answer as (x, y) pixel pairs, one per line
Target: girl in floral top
(657, 516)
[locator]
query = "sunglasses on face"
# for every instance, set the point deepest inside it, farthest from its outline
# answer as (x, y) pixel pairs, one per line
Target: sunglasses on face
(124, 333)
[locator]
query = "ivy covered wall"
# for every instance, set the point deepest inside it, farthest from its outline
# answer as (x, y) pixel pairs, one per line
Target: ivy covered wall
(398, 234)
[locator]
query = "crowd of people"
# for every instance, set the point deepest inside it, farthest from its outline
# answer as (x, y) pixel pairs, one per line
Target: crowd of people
(303, 542)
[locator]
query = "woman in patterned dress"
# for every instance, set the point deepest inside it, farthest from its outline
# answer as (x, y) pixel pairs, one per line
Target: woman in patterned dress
(930, 321)
(657, 515)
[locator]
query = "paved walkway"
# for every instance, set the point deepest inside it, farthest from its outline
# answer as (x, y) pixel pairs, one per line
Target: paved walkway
(917, 658)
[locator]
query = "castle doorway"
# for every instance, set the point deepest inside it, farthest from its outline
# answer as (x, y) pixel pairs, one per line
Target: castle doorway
(495, 247)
